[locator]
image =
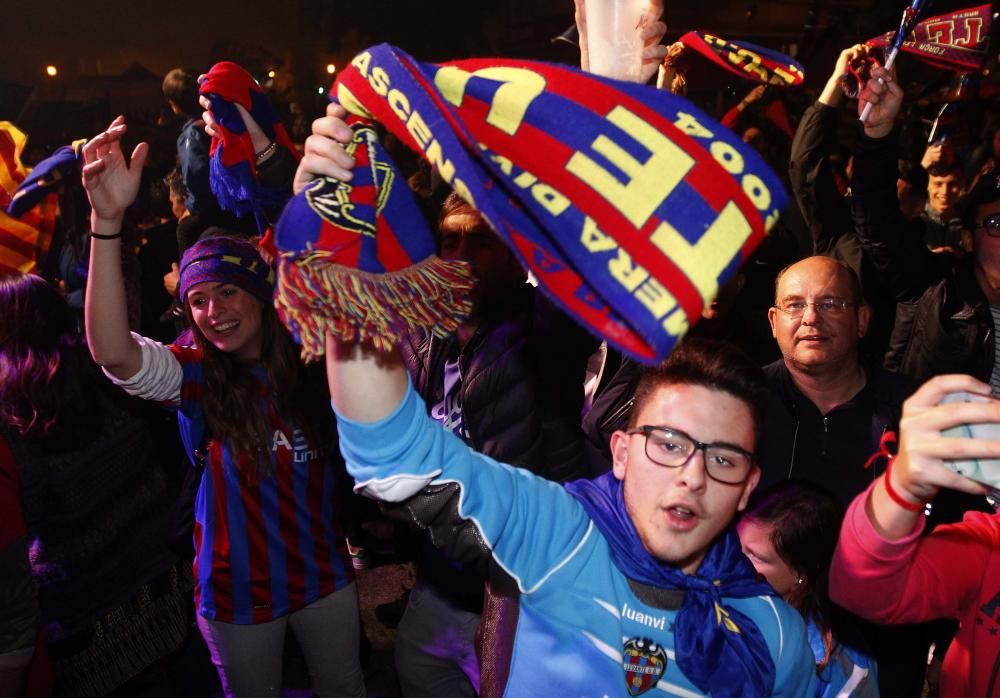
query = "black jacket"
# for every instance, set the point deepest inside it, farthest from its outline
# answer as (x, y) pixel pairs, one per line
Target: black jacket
(943, 321)
(522, 399)
(522, 385)
(830, 450)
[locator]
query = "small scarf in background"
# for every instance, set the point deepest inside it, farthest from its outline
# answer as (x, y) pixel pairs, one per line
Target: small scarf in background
(747, 60)
(233, 167)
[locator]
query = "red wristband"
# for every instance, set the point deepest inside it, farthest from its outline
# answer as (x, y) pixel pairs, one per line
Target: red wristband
(894, 495)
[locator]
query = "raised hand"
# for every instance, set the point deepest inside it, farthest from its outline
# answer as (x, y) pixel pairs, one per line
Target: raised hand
(258, 138)
(886, 98)
(652, 30)
(919, 468)
(324, 154)
(111, 183)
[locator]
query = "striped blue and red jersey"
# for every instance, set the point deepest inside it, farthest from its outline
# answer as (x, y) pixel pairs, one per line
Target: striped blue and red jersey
(265, 545)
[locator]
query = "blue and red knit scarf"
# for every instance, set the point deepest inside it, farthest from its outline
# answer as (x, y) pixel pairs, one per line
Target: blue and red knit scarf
(630, 205)
(233, 167)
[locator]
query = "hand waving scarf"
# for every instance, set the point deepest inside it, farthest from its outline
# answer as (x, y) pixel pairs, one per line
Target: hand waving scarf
(233, 167)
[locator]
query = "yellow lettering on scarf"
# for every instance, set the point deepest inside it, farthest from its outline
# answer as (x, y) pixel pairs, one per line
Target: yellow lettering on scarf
(379, 81)
(727, 156)
(648, 183)
(593, 239)
(691, 126)
(511, 100)
(634, 278)
(419, 130)
(361, 62)
(351, 103)
(446, 168)
(749, 61)
(399, 104)
(704, 261)
(625, 272)
(548, 197)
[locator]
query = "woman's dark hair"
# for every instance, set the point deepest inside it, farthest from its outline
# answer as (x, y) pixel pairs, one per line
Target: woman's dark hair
(711, 364)
(805, 522)
(231, 396)
(48, 381)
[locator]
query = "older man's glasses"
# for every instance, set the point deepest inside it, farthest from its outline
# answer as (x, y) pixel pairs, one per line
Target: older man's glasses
(673, 448)
(991, 224)
(826, 306)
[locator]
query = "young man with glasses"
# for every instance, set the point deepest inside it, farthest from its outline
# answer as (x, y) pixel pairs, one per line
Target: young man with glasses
(631, 582)
(827, 411)
(947, 310)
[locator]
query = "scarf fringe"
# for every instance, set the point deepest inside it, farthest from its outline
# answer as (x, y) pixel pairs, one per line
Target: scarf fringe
(316, 296)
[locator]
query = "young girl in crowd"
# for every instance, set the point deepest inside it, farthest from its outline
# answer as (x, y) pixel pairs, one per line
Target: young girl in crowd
(269, 548)
(789, 532)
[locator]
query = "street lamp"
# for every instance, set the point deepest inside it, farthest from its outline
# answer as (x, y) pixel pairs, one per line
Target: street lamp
(51, 71)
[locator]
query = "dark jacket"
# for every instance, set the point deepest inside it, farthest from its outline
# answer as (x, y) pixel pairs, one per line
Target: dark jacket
(522, 385)
(830, 450)
(943, 321)
(522, 399)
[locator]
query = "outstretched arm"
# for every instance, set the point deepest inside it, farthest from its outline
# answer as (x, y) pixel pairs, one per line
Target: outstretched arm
(810, 169)
(112, 185)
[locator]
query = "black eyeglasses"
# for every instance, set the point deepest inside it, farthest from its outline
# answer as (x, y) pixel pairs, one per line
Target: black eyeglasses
(991, 224)
(673, 448)
(827, 306)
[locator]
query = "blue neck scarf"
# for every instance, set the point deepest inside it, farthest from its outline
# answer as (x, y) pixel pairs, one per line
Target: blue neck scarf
(718, 648)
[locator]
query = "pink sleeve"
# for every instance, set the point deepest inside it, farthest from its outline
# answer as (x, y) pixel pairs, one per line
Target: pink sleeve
(732, 116)
(912, 579)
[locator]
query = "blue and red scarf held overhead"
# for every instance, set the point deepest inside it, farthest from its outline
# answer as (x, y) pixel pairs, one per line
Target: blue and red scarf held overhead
(233, 167)
(629, 205)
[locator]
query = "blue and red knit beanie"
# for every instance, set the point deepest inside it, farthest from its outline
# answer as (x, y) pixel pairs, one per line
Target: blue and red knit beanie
(226, 260)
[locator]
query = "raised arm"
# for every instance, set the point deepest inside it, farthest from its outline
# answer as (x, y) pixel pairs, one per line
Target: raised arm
(894, 245)
(882, 569)
(112, 185)
(810, 172)
(365, 385)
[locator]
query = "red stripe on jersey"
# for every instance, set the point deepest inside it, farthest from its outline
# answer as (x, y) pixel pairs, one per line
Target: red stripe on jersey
(222, 573)
(321, 548)
(259, 560)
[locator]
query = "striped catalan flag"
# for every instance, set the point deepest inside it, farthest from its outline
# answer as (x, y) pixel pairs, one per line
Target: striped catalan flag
(24, 241)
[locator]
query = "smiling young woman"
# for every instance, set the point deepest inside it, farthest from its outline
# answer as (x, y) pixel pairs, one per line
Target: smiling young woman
(270, 550)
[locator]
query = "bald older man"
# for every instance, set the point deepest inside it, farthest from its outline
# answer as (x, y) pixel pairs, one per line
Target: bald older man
(827, 410)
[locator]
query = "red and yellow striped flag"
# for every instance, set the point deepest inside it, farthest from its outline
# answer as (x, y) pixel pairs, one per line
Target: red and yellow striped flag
(25, 241)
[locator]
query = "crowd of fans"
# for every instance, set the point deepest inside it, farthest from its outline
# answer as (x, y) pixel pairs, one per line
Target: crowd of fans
(869, 304)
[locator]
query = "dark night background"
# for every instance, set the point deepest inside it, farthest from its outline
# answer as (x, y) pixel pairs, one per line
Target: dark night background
(111, 55)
